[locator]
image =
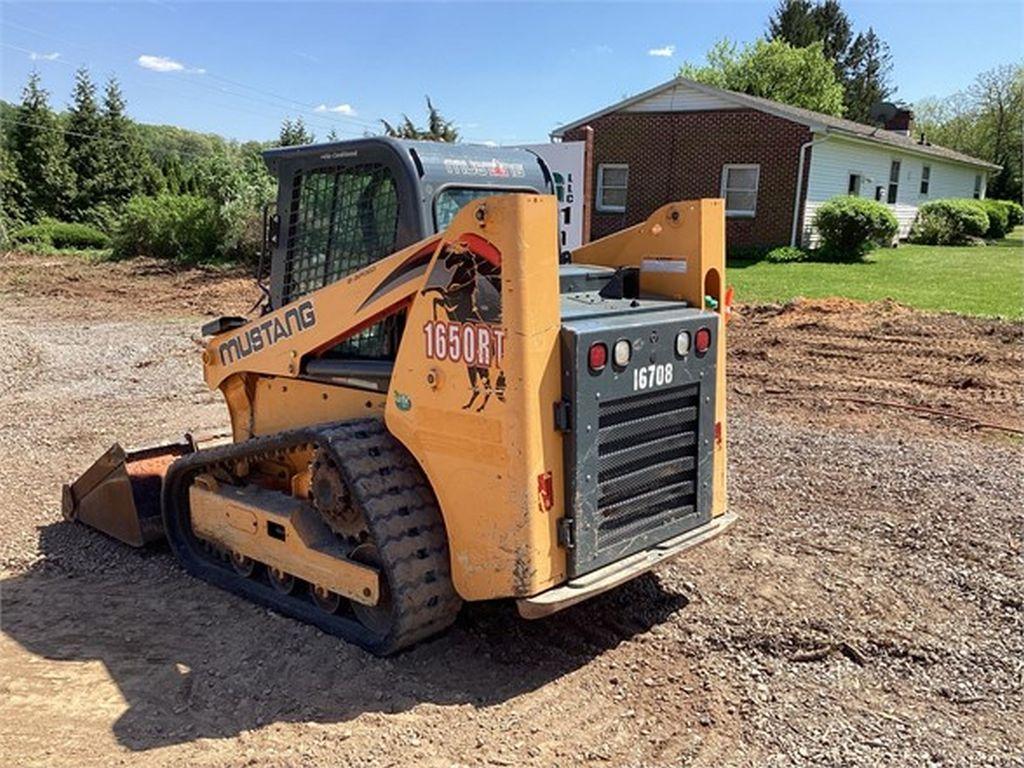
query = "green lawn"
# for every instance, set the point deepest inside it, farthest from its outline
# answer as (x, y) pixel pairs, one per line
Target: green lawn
(974, 280)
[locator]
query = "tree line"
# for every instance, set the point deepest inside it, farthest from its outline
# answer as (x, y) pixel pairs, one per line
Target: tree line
(159, 190)
(93, 165)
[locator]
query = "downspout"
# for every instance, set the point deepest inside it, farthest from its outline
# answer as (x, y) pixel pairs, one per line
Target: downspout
(800, 184)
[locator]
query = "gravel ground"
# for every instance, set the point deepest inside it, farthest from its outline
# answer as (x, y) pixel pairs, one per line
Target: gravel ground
(868, 608)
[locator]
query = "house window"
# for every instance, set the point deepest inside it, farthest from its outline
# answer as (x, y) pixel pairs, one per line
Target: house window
(977, 187)
(894, 182)
(739, 188)
(612, 179)
(853, 187)
(926, 177)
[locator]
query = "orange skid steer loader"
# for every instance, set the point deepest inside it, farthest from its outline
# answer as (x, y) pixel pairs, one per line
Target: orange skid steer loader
(433, 409)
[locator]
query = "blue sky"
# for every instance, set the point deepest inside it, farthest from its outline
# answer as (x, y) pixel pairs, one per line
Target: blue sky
(506, 72)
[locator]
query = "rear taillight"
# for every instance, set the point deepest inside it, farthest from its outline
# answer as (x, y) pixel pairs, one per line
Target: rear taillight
(598, 356)
(702, 341)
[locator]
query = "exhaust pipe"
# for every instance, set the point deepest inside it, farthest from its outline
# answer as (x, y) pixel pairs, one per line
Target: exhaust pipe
(120, 493)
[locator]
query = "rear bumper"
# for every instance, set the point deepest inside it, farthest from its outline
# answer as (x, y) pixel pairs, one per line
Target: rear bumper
(603, 579)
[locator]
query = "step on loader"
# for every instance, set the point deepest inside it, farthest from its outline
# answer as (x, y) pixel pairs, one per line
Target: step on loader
(431, 408)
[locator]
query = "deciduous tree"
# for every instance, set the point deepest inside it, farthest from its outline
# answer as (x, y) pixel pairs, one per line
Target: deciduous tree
(985, 121)
(773, 70)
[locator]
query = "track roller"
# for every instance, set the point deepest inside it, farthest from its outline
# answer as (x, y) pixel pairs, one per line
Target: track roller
(283, 582)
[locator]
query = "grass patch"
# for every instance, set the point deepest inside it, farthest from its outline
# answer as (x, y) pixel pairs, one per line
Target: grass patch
(972, 280)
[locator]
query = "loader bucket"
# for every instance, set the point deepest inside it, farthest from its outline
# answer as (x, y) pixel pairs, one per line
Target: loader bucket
(120, 493)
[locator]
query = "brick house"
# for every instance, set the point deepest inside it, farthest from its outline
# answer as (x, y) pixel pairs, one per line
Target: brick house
(773, 163)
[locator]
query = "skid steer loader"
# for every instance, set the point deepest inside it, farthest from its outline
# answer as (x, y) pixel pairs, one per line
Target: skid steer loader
(433, 409)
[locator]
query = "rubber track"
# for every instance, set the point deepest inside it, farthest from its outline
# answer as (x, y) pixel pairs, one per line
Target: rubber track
(401, 514)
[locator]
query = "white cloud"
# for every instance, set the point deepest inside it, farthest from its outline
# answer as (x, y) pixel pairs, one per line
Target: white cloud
(44, 56)
(165, 64)
(340, 109)
(665, 52)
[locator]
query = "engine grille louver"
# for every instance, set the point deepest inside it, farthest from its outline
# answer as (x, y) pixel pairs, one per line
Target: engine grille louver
(647, 464)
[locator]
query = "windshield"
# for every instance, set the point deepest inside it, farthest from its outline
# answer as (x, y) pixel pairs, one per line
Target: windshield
(450, 200)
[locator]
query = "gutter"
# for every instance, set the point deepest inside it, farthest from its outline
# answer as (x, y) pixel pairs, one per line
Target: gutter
(800, 183)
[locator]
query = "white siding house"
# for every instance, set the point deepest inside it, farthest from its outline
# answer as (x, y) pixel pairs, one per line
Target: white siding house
(840, 166)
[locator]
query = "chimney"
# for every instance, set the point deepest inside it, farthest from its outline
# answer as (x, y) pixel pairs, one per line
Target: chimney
(902, 121)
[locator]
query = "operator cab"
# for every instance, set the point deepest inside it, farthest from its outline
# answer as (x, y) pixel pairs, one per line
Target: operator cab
(345, 205)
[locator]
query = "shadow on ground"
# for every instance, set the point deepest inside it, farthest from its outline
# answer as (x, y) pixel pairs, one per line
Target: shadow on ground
(192, 661)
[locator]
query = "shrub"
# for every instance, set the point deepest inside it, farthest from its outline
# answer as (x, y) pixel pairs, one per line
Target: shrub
(1014, 213)
(998, 219)
(182, 228)
(785, 254)
(997, 210)
(102, 216)
(61, 234)
(243, 231)
(852, 226)
(949, 222)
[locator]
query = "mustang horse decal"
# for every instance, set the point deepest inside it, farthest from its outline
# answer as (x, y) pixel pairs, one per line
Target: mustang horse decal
(466, 324)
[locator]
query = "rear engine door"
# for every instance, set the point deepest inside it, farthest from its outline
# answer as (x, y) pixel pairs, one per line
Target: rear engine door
(640, 435)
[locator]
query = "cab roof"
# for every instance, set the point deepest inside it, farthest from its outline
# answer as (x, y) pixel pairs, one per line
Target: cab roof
(435, 162)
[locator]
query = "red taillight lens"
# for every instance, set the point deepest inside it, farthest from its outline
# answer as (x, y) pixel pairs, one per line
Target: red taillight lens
(598, 357)
(702, 341)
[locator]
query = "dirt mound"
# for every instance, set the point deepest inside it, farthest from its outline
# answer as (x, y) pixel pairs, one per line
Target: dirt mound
(859, 363)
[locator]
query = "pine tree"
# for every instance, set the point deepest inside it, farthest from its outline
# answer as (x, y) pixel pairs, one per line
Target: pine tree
(125, 159)
(833, 28)
(85, 144)
(40, 156)
(868, 67)
(12, 196)
(438, 128)
(793, 22)
(172, 173)
(295, 133)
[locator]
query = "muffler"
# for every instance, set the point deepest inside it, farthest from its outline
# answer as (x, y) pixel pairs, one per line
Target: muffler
(120, 493)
